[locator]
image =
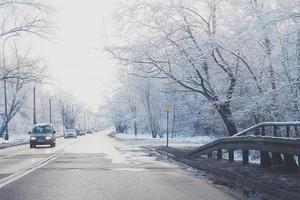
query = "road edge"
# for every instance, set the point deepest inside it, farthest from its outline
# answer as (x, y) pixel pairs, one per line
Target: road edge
(227, 178)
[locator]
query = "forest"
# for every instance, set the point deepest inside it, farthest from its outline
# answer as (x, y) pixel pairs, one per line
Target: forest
(223, 65)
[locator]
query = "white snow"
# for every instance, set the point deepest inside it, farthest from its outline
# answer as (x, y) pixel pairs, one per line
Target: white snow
(178, 139)
(15, 138)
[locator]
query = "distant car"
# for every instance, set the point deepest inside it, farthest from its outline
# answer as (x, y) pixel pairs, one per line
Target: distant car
(89, 132)
(80, 132)
(70, 133)
(42, 134)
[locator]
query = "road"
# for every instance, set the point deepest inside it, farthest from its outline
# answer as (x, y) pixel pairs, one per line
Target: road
(96, 167)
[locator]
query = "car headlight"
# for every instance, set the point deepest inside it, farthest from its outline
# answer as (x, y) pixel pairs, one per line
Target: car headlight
(48, 137)
(32, 138)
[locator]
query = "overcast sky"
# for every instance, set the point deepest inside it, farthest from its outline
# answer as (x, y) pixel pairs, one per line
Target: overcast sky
(73, 60)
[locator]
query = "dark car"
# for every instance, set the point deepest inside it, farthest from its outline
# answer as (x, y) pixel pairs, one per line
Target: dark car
(89, 132)
(42, 134)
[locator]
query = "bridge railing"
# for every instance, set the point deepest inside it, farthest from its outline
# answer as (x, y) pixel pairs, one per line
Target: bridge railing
(274, 150)
(260, 129)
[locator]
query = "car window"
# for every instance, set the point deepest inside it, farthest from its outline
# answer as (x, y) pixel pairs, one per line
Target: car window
(42, 129)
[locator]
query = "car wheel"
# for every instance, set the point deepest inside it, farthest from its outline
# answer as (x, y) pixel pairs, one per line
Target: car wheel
(31, 146)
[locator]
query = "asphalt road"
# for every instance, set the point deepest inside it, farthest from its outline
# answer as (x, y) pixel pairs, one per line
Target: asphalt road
(96, 167)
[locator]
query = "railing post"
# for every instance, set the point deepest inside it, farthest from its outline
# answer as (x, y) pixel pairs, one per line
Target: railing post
(277, 159)
(245, 156)
(231, 155)
(265, 159)
(290, 163)
(209, 155)
(256, 132)
(219, 154)
(275, 131)
(296, 130)
(288, 131)
(263, 131)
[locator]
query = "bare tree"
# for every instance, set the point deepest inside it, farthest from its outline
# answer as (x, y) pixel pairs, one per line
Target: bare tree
(20, 72)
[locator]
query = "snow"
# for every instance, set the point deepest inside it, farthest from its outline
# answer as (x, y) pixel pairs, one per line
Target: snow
(15, 139)
(178, 139)
(189, 140)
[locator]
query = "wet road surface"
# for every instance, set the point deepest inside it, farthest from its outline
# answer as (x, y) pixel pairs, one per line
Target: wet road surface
(96, 167)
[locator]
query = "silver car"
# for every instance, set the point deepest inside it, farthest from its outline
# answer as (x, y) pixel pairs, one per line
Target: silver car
(70, 133)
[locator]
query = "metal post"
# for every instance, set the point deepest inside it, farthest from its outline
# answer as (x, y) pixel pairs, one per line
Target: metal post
(34, 105)
(63, 115)
(173, 124)
(5, 89)
(84, 115)
(6, 113)
(167, 128)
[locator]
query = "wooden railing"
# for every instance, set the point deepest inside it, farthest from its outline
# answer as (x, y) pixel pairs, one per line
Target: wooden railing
(274, 149)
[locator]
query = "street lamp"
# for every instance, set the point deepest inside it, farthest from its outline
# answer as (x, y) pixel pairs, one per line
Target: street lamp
(4, 83)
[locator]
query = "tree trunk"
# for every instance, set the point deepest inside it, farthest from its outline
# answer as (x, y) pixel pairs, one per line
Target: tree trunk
(2, 130)
(226, 114)
(135, 127)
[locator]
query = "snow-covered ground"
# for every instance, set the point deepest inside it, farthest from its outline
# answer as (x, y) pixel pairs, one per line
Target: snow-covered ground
(15, 138)
(178, 139)
(187, 141)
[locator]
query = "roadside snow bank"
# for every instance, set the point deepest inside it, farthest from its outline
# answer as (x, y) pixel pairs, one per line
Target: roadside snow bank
(15, 139)
(178, 139)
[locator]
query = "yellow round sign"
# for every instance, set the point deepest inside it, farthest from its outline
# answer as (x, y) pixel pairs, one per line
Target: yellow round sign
(168, 106)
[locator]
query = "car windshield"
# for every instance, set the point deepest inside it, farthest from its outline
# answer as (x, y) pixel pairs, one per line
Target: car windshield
(42, 129)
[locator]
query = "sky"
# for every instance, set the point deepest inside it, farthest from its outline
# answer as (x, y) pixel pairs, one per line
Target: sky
(75, 59)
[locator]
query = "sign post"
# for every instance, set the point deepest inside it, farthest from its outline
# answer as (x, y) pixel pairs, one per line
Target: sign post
(168, 107)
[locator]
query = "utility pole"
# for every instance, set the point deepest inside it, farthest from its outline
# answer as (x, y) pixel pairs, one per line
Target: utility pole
(63, 115)
(50, 110)
(84, 115)
(5, 89)
(6, 113)
(168, 128)
(34, 105)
